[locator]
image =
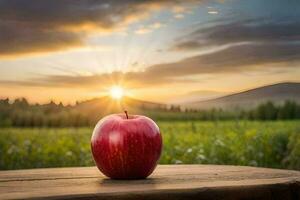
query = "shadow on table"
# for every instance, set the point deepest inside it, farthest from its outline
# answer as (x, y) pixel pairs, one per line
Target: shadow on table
(147, 181)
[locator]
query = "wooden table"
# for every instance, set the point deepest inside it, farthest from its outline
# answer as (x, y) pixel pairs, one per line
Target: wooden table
(167, 182)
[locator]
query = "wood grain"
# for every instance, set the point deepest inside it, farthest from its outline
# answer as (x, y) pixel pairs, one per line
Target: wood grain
(176, 182)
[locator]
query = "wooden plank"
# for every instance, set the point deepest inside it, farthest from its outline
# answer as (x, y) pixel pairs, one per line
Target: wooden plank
(167, 182)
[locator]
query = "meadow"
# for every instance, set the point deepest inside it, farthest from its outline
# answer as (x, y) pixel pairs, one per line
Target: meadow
(273, 144)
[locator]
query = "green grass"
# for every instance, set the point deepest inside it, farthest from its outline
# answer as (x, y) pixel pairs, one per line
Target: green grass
(267, 144)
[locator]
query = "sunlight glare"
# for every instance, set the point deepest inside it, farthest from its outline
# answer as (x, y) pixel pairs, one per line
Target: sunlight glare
(116, 92)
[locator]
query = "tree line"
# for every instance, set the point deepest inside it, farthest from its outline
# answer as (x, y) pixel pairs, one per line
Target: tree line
(22, 114)
(19, 113)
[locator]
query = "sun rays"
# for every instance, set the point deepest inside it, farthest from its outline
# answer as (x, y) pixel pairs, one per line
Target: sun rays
(116, 92)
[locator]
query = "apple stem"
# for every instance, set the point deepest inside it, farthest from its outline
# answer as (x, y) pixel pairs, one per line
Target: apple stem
(126, 113)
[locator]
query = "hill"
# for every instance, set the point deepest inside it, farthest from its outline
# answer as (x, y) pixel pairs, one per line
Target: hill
(105, 105)
(19, 113)
(277, 93)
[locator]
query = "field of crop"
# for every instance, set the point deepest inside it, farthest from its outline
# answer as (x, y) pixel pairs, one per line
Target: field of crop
(268, 144)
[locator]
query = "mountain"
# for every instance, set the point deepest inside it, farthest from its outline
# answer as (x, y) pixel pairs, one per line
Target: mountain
(20, 113)
(106, 105)
(198, 95)
(277, 93)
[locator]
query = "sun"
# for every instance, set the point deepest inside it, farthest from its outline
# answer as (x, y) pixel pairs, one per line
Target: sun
(116, 92)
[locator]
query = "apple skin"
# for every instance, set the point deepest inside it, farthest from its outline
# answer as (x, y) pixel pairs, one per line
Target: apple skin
(126, 148)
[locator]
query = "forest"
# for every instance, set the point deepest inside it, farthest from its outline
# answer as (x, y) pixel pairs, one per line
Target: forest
(19, 113)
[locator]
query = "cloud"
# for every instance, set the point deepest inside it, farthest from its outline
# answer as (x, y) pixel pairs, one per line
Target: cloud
(156, 25)
(235, 59)
(179, 16)
(149, 28)
(142, 31)
(35, 26)
(129, 79)
(183, 9)
(213, 12)
(179, 9)
(231, 60)
(251, 31)
(18, 38)
(247, 45)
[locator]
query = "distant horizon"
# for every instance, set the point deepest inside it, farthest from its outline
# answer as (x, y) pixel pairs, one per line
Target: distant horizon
(158, 102)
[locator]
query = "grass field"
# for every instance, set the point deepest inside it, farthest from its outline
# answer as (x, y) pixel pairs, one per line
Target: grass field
(268, 144)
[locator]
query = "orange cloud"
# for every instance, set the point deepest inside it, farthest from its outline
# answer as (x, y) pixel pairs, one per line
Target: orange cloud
(149, 28)
(235, 59)
(38, 26)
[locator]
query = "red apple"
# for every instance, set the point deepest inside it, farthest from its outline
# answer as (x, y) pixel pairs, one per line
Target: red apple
(126, 147)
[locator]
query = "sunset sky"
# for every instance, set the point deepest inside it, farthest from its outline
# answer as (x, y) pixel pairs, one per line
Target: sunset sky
(68, 50)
